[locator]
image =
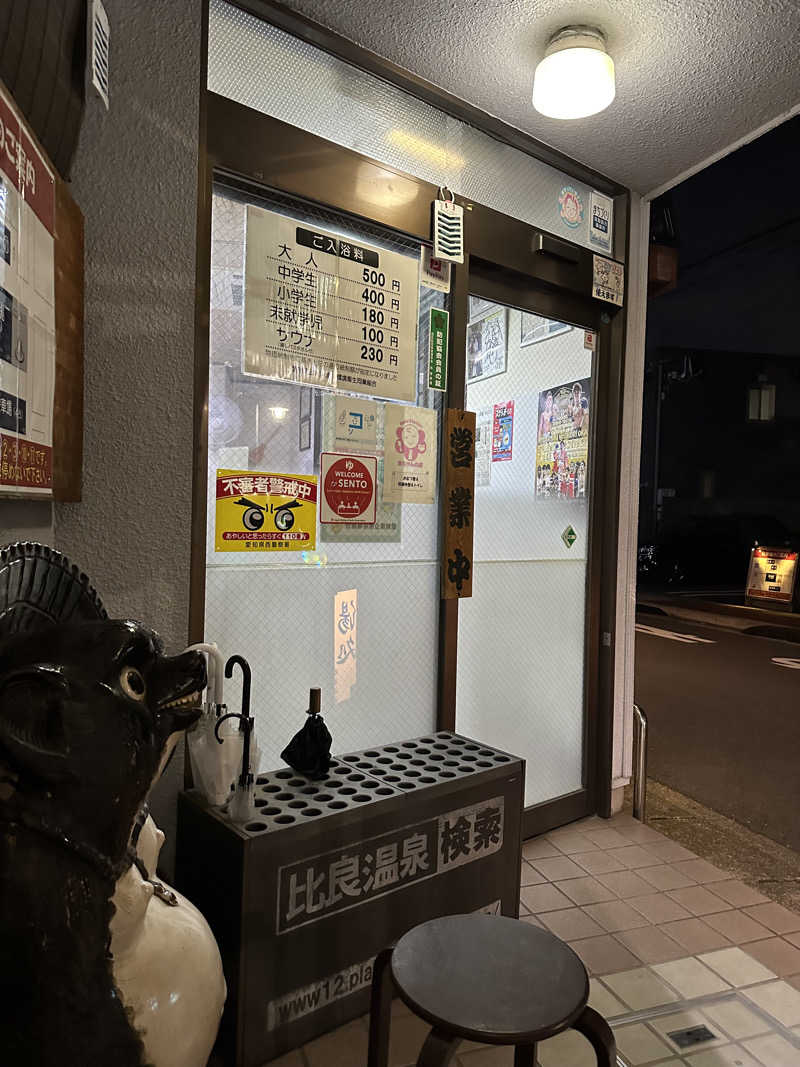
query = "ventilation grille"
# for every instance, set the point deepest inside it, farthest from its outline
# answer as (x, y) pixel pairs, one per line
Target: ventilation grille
(100, 43)
(448, 231)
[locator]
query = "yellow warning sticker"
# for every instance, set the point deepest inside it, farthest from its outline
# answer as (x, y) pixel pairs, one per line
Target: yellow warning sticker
(259, 511)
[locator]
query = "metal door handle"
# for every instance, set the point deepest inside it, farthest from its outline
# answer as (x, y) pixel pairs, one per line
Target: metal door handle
(551, 246)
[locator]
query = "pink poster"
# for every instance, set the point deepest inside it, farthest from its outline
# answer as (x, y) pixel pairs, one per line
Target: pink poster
(503, 431)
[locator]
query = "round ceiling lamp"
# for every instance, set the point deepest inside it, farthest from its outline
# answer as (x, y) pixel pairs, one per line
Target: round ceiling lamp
(576, 76)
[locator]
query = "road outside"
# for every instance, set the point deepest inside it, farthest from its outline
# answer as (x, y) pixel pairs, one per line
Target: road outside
(724, 716)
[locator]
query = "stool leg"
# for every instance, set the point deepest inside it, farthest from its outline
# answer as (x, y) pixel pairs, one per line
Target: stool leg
(438, 1049)
(380, 1010)
(525, 1056)
(599, 1034)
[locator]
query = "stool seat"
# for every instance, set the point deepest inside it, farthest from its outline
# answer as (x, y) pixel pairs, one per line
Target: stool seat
(490, 979)
(485, 978)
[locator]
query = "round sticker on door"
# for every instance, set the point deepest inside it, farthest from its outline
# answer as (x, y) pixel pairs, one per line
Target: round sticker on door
(571, 207)
(348, 487)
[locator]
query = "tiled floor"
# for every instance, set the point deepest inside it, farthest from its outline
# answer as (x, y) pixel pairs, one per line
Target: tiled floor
(670, 942)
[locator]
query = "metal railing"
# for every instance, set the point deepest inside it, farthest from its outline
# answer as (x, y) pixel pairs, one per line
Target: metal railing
(639, 763)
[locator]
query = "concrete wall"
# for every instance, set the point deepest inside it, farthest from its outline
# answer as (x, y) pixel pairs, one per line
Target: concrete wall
(26, 520)
(134, 178)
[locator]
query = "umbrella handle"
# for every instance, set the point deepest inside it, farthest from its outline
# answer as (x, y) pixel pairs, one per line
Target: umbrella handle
(215, 669)
(246, 724)
(246, 680)
(221, 720)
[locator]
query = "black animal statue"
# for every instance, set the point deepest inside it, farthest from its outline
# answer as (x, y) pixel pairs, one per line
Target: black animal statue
(89, 714)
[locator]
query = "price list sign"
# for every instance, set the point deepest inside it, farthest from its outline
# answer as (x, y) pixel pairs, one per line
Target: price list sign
(323, 311)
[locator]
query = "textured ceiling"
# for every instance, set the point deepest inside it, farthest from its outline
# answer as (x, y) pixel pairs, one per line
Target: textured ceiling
(693, 76)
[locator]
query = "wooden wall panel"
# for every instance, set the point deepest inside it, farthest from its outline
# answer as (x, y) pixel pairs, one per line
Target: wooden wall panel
(458, 503)
(68, 402)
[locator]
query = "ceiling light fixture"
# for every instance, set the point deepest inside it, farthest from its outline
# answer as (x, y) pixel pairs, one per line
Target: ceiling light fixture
(576, 76)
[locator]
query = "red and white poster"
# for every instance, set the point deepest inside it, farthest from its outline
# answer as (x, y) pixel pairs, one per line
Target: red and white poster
(348, 487)
(503, 432)
(411, 444)
(27, 309)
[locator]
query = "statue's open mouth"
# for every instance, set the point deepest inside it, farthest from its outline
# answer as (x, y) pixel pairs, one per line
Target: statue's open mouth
(181, 680)
(191, 700)
(182, 711)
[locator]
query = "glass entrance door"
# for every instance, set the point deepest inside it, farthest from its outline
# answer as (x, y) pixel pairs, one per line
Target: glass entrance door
(522, 675)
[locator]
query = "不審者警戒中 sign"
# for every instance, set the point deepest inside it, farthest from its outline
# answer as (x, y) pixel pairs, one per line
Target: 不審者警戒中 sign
(262, 511)
(322, 310)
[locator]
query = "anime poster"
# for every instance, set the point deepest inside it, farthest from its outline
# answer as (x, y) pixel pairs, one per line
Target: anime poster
(562, 441)
(503, 432)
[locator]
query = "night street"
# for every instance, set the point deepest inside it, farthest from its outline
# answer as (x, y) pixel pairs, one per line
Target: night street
(724, 722)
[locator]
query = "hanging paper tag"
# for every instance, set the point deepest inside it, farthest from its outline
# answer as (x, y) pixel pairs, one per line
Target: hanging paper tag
(434, 273)
(448, 231)
(589, 340)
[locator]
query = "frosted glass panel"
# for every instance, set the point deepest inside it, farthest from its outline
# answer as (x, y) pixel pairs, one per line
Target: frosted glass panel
(258, 65)
(283, 610)
(283, 623)
(521, 635)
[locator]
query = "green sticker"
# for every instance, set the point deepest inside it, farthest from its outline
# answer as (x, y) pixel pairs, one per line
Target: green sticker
(437, 349)
(569, 537)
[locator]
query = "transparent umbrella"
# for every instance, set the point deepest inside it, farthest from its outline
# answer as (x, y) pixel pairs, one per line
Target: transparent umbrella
(214, 759)
(242, 806)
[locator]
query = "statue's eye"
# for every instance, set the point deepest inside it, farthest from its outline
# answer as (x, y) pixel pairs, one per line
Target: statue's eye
(132, 683)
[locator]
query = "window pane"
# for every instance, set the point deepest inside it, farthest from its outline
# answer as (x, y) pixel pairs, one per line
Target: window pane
(284, 610)
(522, 634)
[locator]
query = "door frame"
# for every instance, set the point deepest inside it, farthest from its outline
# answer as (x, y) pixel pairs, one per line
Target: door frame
(249, 150)
(523, 292)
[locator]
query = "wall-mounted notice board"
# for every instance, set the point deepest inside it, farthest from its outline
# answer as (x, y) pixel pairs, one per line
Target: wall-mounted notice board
(41, 320)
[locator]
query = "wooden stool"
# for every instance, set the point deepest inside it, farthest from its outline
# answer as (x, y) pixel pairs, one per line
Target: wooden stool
(488, 979)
